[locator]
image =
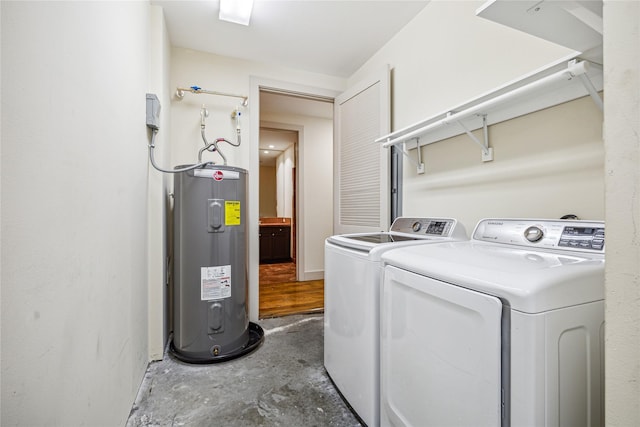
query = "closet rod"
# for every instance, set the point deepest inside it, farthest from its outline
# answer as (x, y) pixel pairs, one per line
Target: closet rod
(574, 69)
(195, 89)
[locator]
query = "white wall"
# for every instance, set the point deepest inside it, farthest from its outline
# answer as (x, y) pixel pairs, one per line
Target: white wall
(229, 75)
(285, 164)
(267, 191)
(622, 276)
(447, 55)
(545, 165)
(1, 228)
(74, 211)
(159, 189)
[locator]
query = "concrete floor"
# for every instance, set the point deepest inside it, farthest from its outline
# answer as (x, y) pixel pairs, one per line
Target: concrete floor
(282, 383)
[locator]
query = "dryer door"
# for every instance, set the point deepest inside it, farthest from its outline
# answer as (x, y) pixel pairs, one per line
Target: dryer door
(440, 353)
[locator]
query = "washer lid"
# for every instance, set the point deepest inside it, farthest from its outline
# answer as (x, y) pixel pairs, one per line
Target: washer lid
(404, 230)
(529, 280)
(380, 238)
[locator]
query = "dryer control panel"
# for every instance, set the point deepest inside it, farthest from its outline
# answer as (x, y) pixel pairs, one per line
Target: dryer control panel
(442, 227)
(573, 235)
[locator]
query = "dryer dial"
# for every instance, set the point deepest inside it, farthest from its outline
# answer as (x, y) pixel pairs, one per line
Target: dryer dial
(416, 226)
(533, 233)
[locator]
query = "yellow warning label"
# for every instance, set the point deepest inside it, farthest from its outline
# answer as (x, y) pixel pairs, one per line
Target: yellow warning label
(231, 212)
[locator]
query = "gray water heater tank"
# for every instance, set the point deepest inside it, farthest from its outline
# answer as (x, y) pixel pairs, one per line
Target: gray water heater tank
(210, 285)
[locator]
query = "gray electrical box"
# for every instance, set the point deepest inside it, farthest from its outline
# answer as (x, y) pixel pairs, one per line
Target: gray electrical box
(153, 111)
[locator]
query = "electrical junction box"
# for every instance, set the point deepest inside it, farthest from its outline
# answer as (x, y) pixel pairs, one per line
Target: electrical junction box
(153, 111)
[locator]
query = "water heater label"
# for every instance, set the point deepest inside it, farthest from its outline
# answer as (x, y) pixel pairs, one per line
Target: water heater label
(231, 212)
(215, 282)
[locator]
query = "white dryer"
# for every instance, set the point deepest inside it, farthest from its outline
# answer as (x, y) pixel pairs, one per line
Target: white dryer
(352, 304)
(505, 329)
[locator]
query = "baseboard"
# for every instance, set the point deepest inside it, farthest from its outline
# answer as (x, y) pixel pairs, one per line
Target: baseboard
(311, 275)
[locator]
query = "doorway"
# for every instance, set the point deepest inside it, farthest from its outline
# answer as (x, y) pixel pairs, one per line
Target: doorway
(291, 256)
(277, 212)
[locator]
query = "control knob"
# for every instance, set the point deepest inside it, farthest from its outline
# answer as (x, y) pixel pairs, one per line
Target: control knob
(533, 233)
(416, 226)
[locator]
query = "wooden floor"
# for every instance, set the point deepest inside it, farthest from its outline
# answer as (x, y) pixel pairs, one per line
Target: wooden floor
(282, 295)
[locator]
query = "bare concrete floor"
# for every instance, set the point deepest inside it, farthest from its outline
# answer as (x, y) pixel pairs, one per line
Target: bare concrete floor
(282, 383)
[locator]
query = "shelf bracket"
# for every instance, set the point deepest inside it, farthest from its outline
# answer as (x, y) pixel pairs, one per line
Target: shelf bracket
(419, 164)
(487, 152)
(592, 91)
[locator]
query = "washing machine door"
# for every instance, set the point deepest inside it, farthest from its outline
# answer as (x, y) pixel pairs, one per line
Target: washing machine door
(441, 353)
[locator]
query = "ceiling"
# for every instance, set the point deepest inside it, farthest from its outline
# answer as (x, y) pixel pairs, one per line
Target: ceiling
(321, 36)
(274, 142)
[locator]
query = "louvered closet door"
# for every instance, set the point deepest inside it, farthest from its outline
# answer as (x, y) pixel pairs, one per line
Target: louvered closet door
(361, 167)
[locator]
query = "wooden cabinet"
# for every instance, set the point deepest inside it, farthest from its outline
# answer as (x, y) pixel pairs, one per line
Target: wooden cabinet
(275, 243)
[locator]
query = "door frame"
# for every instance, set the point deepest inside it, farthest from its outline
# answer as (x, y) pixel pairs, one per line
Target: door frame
(256, 84)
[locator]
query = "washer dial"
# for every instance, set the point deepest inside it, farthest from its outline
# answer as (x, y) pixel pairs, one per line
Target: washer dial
(533, 233)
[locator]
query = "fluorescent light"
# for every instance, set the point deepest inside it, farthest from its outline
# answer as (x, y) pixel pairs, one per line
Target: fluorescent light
(237, 11)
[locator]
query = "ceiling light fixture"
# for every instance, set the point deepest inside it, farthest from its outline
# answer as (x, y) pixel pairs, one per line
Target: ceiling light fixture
(237, 11)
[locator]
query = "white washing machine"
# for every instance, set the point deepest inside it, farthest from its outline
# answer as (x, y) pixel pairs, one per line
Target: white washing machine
(352, 304)
(505, 329)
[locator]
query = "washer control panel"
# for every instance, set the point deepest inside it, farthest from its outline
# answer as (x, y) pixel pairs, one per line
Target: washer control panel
(571, 235)
(583, 237)
(443, 227)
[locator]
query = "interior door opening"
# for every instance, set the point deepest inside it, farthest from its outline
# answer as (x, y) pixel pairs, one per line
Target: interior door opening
(294, 131)
(277, 213)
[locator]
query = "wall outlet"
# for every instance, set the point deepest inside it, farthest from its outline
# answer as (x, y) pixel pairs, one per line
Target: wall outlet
(153, 111)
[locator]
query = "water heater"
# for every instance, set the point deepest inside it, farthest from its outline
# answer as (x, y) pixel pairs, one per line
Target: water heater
(210, 285)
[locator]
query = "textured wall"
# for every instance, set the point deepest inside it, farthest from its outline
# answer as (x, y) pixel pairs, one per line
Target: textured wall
(74, 211)
(622, 174)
